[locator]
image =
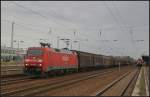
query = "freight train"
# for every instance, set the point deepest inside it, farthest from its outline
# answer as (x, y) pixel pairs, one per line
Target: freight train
(45, 60)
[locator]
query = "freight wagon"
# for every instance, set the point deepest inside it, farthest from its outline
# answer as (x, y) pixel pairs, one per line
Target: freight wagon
(85, 60)
(89, 60)
(92, 61)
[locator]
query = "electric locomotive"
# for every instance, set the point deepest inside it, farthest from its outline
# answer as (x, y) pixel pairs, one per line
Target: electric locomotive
(44, 59)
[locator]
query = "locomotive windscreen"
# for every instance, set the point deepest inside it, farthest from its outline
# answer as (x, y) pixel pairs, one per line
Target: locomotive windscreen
(34, 52)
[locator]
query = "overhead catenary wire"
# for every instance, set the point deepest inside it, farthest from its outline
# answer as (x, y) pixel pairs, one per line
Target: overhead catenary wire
(4, 20)
(37, 13)
(21, 24)
(123, 21)
(125, 26)
(34, 12)
(114, 17)
(119, 15)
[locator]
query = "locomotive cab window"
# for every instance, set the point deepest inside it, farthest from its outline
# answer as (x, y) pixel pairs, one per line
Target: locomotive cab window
(34, 52)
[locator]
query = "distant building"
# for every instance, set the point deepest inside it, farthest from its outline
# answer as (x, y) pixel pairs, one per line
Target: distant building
(8, 54)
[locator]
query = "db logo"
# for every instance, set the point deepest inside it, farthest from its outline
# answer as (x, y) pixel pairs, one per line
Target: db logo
(65, 58)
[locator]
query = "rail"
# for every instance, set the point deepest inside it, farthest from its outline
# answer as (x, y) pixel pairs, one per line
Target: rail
(109, 87)
(16, 80)
(47, 86)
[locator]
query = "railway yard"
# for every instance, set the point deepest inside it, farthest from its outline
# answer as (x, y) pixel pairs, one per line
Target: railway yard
(74, 73)
(103, 82)
(96, 48)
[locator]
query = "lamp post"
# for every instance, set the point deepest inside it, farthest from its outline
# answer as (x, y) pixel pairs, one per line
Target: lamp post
(72, 44)
(12, 34)
(75, 41)
(58, 42)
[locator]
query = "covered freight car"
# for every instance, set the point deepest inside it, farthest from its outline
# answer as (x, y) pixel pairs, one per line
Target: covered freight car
(98, 61)
(107, 61)
(85, 60)
(93, 61)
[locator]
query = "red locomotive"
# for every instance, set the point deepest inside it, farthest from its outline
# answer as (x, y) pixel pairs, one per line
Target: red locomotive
(45, 60)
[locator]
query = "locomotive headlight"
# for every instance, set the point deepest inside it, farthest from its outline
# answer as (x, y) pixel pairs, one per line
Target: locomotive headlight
(26, 64)
(40, 64)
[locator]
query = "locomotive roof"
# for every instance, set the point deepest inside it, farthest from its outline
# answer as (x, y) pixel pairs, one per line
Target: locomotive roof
(62, 50)
(53, 49)
(87, 53)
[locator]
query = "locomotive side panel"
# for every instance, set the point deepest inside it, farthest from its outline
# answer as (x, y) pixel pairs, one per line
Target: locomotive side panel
(63, 61)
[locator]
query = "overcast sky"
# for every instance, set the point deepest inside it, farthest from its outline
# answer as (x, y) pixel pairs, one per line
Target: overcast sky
(124, 21)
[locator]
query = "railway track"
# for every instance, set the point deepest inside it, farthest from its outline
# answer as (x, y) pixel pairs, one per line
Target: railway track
(85, 87)
(119, 86)
(13, 80)
(49, 84)
(24, 91)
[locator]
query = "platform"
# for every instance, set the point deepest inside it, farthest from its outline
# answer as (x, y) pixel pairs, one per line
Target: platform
(142, 84)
